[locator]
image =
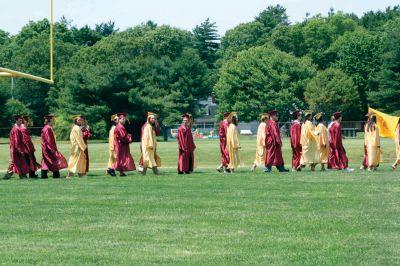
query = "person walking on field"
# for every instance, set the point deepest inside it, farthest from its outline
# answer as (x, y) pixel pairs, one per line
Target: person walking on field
(186, 146)
(323, 140)
(397, 140)
(273, 144)
(19, 156)
(223, 127)
(29, 147)
(111, 147)
(372, 144)
(232, 143)
(149, 146)
(310, 153)
(86, 135)
(337, 159)
(52, 160)
(295, 133)
(260, 150)
(124, 161)
(77, 159)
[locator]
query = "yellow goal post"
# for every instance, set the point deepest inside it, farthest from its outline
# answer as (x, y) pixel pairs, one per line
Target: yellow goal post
(5, 72)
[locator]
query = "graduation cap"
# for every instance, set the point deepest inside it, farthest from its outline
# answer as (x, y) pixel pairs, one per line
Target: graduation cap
(319, 115)
(151, 114)
(337, 115)
(370, 114)
(226, 114)
(273, 112)
(114, 117)
(264, 116)
(16, 117)
(49, 116)
(295, 114)
(232, 114)
(119, 115)
(187, 116)
(307, 112)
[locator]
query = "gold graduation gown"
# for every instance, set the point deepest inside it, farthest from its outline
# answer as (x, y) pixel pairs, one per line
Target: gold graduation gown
(149, 148)
(323, 143)
(77, 159)
(111, 150)
(309, 144)
(232, 144)
(372, 143)
(261, 151)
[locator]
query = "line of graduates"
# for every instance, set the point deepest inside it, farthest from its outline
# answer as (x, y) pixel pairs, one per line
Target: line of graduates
(311, 144)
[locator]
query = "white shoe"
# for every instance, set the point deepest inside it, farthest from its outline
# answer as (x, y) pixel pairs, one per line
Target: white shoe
(349, 170)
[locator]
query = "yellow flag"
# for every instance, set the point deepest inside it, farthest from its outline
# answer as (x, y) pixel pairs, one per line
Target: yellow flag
(387, 123)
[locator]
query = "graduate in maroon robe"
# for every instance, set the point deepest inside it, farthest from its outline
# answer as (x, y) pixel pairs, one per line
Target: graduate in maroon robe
(52, 160)
(337, 158)
(295, 133)
(29, 147)
(86, 135)
(223, 127)
(273, 144)
(186, 146)
(124, 160)
(19, 156)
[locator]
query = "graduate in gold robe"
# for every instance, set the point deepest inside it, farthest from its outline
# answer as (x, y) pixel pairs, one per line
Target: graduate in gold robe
(260, 143)
(112, 158)
(149, 146)
(309, 143)
(372, 144)
(397, 139)
(232, 142)
(323, 141)
(77, 159)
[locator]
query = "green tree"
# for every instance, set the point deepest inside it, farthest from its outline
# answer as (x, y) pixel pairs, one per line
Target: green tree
(359, 56)
(385, 94)
(260, 79)
(207, 41)
(375, 20)
(255, 33)
(332, 90)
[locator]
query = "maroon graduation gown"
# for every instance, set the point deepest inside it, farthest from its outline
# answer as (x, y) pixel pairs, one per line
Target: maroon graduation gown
(337, 156)
(52, 160)
(86, 135)
(273, 144)
(186, 149)
(19, 163)
(223, 127)
(30, 149)
(295, 133)
(124, 160)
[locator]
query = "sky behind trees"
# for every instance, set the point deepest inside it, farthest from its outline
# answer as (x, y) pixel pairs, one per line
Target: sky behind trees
(185, 14)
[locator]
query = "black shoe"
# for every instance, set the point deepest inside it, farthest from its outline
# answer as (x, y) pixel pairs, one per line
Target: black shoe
(7, 176)
(282, 168)
(187, 173)
(111, 172)
(180, 173)
(33, 175)
(267, 169)
(122, 174)
(22, 176)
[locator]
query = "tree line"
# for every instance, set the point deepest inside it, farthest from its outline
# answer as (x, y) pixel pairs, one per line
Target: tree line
(326, 63)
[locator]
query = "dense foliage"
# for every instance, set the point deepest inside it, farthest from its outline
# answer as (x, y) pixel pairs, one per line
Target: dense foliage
(334, 62)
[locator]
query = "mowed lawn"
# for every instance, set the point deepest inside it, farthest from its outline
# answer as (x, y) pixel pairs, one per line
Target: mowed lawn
(206, 218)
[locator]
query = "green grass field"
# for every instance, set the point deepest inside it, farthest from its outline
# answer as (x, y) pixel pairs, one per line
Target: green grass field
(207, 218)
